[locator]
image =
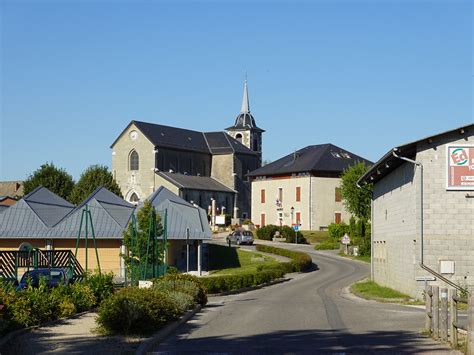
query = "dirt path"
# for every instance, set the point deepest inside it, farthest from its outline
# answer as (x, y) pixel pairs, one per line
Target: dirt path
(73, 335)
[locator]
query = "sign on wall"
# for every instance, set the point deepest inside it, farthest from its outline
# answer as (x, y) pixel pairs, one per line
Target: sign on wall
(460, 174)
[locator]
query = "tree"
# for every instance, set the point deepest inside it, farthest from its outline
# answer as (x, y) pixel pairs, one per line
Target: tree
(93, 177)
(356, 199)
(145, 253)
(54, 179)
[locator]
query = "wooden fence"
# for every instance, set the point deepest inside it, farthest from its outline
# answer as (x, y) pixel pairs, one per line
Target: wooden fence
(442, 321)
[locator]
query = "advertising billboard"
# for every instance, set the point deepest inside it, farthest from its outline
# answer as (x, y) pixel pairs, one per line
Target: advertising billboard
(460, 174)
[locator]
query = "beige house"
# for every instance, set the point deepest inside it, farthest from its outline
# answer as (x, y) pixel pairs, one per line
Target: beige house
(197, 166)
(422, 213)
(302, 188)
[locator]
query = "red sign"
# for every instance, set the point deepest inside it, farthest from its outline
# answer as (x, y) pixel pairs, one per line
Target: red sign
(460, 167)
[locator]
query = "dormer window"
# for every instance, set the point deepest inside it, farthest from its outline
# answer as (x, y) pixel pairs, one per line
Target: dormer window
(133, 161)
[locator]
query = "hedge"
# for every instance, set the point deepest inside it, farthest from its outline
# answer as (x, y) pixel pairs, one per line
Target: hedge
(299, 260)
(265, 273)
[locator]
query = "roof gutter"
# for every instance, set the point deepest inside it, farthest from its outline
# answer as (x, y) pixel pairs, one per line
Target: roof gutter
(422, 265)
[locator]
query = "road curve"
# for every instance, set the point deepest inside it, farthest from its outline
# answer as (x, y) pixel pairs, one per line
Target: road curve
(311, 314)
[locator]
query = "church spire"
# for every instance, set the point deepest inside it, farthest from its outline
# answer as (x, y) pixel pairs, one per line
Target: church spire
(245, 100)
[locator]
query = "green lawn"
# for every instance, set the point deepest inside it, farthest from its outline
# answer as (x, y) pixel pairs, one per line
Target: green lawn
(226, 261)
(370, 290)
(365, 258)
(315, 236)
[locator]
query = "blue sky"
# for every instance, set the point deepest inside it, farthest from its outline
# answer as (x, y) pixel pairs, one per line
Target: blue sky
(364, 75)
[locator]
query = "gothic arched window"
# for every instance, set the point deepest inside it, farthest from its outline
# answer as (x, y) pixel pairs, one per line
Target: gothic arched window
(134, 198)
(238, 136)
(134, 160)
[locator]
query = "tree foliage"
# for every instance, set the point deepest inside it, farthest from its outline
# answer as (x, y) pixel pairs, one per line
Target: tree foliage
(93, 177)
(53, 178)
(142, 251)
(356, 200)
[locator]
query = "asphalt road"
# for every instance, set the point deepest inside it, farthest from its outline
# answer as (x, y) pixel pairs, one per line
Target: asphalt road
(313, 313)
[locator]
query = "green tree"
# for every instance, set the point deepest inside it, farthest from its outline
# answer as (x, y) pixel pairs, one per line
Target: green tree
(142, 251)
(93, 177)
(356, 199)
(54, 179)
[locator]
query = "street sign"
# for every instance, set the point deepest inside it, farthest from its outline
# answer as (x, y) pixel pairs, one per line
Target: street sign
(346, 240)
(296, 228)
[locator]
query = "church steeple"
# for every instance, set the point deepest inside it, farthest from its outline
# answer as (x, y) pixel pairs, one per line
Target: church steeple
(245, 129)
(245, 100)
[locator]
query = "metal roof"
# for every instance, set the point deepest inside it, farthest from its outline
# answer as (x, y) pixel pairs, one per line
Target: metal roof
(181, 215)
(388, 162)
(192, 182)
(322, 158)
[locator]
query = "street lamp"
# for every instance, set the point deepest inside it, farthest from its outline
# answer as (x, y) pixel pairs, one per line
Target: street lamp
(296, 231)
(292, 213)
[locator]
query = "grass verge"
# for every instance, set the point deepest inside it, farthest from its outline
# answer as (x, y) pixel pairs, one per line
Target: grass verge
(372, 291)
(364, 258)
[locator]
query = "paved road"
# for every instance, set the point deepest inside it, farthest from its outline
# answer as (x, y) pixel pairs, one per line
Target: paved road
(312, 313)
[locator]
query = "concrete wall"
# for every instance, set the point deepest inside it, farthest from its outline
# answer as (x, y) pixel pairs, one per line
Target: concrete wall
(448, 222)
(142, 181)
(317, 204)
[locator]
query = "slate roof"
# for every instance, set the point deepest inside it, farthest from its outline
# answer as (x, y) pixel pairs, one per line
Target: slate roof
(192, 182)
(387, 163)
(181, 215)
(322, 158)
(186, 139)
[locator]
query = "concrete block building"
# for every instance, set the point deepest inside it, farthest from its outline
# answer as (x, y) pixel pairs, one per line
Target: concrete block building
(423, 213)
(302, 188)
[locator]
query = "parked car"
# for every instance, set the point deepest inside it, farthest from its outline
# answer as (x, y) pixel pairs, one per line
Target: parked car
(53, 277)
(240, 237)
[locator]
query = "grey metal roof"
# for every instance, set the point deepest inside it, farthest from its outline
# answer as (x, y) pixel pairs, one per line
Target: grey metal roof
(110, 215)
(181, 215)
(222, 143)
(387, 163)
(322, 158)
(49, 207)
(3, 208)
(192, 182)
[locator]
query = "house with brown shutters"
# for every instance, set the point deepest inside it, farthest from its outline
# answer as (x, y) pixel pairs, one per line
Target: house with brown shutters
(302, 188)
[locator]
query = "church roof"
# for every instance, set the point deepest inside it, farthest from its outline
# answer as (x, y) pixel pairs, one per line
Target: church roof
(321, 158)
(192, 182)
(186, 139)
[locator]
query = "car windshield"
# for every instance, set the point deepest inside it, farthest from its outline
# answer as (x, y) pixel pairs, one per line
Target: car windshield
(248, 234)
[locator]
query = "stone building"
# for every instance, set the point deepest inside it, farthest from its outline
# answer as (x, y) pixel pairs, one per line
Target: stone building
(302, 188)
(422, 213)
(197, 166)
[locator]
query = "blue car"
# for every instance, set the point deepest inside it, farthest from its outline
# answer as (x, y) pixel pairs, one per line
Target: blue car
(53, 277)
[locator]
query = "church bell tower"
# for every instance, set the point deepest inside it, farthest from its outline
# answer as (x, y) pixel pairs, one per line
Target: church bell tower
(245, 129)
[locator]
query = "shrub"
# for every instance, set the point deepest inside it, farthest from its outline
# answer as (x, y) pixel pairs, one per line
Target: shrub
(182, 300)
(300, 260)
(82, 296)
(180, 285)
(266, 232)
(137, 311)
(101, 285)
(337, 231)
(290, 235)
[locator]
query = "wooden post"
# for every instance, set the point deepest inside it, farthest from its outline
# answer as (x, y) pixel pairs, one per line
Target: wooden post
(470, 325)
(435, 312)
(429, 310)
(454, 317)
(444, 315)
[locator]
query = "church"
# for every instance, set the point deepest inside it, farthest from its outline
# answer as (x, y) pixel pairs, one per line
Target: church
(200, 167)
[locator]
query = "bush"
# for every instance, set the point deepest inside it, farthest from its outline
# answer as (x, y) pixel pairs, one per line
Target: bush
(290, 235)
(137, 311)
(266, 232)
(182, 300)
(301, 261)
(224, 283)
(82, 296)
(101, 285)
(337, 231)
(181, 281)
(327, 245)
